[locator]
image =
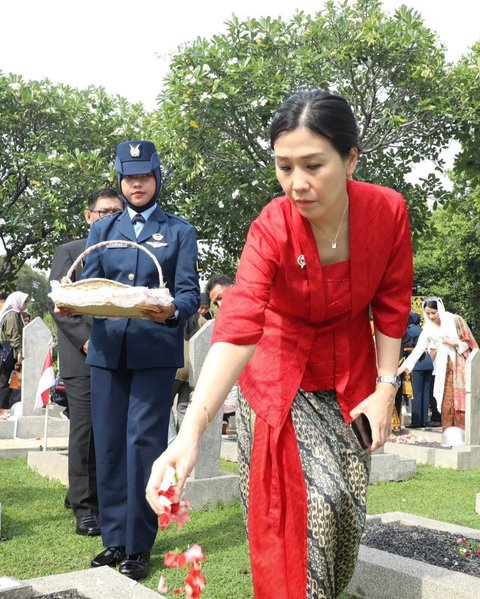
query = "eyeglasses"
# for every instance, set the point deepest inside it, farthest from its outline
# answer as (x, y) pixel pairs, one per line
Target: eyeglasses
(104, 213)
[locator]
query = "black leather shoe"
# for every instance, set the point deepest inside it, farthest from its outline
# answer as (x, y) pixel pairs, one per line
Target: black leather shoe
(136, 565)
(88, 526)
(111, 556)
(433, 423)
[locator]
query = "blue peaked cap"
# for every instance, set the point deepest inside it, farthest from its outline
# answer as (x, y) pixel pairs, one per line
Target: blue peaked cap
(138, 157)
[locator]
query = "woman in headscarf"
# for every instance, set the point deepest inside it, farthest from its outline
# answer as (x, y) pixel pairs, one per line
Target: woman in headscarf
(11, 328)
(448, 340)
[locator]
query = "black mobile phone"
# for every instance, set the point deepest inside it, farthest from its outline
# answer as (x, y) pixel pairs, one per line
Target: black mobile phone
(362, 430)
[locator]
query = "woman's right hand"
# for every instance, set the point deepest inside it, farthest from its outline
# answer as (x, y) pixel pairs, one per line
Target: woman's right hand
(181, 455)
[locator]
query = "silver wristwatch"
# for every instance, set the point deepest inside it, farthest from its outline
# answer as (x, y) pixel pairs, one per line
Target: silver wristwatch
(393, 379)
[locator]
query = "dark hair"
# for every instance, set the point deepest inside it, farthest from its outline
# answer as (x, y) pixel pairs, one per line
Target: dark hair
(3, 295)
(106, 192)
(430, 302)
(204, 298)
(323, 113)
(223, 280)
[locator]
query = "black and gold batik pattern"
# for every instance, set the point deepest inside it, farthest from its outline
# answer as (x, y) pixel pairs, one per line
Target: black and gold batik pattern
(336, 474)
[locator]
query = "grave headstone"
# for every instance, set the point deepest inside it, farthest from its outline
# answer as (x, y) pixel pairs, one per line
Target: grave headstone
(472, 399)
(36, 341)
(207, 485)
(211, 442)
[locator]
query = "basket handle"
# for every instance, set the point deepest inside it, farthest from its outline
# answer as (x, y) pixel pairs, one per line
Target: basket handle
(114, 243)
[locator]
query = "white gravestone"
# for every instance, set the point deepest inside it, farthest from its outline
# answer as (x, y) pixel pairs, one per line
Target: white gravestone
(37, 338)
(207, 485)
(211, 442)
(472, 399)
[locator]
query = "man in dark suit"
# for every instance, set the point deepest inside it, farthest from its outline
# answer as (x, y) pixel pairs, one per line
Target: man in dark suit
(134, 360)
(73, 334)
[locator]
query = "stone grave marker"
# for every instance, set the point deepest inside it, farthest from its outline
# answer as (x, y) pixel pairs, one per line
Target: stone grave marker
(207, 485)
(211, 442)
(472, 399)
(36, 341)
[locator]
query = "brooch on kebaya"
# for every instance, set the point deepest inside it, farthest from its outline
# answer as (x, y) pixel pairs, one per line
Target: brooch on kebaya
(301, 261)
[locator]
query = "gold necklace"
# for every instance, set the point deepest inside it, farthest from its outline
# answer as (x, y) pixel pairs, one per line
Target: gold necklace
(334, 241)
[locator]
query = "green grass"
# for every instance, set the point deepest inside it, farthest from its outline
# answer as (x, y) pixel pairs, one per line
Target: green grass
(38, 535)
(437, 493)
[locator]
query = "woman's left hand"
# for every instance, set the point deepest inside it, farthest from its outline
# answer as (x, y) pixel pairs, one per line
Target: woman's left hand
(160, 313)
(450, 341)
(378, 407)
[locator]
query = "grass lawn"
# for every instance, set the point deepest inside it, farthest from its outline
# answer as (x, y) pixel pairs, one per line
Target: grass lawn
(38, 535)
(437, 493)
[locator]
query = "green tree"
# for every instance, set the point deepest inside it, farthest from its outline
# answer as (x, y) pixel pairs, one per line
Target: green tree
(447, 263)
(467, 115)
(221, 94)
(34, 283)
(56, 145)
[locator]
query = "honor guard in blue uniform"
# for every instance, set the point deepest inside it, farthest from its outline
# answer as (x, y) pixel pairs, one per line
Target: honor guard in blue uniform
(134, 361)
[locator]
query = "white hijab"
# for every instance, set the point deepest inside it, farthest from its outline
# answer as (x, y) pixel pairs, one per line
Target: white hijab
(15, 302)
(447, 326)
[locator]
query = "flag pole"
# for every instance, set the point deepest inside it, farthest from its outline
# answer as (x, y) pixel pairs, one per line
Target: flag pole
(46, 405)
(45, 429)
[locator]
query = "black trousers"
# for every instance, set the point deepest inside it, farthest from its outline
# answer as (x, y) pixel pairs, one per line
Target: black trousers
(81, 449)
(5, 390)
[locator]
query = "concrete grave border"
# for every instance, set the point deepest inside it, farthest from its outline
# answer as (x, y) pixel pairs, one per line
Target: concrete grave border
(461, 457)
(95, 583)
(379, 574)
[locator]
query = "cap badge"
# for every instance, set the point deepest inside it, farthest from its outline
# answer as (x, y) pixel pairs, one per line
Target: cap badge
(134, 150)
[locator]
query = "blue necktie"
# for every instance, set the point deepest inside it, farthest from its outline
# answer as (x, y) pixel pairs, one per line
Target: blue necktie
(138, 221)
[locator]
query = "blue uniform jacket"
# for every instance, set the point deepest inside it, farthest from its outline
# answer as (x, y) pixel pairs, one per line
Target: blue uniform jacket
(147, 344)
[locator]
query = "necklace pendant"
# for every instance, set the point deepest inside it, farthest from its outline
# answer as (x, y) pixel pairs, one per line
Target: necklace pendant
(334, 245)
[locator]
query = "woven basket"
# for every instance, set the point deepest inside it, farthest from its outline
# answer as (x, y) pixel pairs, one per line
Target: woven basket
(109, 299)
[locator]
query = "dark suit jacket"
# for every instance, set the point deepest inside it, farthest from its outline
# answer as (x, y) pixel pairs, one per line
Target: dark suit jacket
(146, 344)
(74, 331)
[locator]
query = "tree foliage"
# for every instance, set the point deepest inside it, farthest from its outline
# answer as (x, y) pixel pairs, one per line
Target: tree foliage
(221, 94)
(32, 282)
(448, 263)
(56, 146)
(467, 114)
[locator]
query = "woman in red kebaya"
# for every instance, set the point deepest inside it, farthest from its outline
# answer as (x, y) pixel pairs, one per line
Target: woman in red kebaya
(295, 329)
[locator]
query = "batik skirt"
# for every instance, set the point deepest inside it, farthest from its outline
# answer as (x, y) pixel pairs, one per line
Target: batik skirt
(336, 472)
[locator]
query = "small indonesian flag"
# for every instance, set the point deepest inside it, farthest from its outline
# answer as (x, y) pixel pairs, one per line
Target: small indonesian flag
(47, 380)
